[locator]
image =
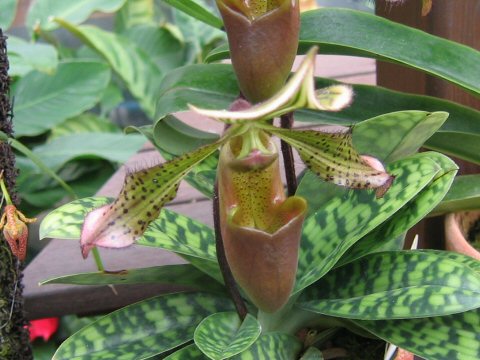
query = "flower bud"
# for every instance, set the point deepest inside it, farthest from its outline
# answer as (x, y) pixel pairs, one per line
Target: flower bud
(263, 38)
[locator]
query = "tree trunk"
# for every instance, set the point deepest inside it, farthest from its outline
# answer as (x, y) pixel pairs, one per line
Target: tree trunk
(14, 338)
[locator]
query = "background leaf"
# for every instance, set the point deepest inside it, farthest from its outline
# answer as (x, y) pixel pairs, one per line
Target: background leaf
(198, 12)
(223, 335)
(7, 15)
(110, 146)
(463, 195)
(145, 329)
(395, 285)
(312, 353)
(136, 69)
(25, 57)
(84, 123)
(43, 101)
(75, 12)
(453, 337)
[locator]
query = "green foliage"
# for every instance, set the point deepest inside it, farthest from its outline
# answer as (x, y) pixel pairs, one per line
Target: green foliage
(351, 272)
(395, 285)
(223, 335)
(25, 57)
(147, 328)
(76, 86)
(42, 11)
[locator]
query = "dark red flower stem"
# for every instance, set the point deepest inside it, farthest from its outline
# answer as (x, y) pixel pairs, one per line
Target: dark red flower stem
(286, 122)
(230, 283)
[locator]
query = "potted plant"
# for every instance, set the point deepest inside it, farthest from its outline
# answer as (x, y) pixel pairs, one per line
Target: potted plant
(350, 272)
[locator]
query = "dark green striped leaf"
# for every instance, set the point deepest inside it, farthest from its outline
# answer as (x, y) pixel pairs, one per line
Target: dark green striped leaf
(272, 345)
(408, 215)
(453, 337)
(463, 195)
(393, 136)
(332, 230)
(395, 285)
(142, 330)
(223, 335)
(184, 275)
(190, 352)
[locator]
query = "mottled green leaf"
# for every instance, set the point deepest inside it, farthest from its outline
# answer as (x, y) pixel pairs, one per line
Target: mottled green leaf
(111, 97)
(75, 12)
(395, 285)
(332, 230)
(463, 195)
(66, 221)
(25, 57)
(453, 337)
(181, 275)
(396, 135)
(137, 70)
(223, 335)
(84, 123)
(272, 345)
(408, 215)
(332, 157)
(144, 329)
(43, 101)
(193, 9)
(312, 353)
(190, 352)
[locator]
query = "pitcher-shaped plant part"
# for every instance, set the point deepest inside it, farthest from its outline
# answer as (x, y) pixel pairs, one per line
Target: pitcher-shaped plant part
(263, 38)
(261, 228)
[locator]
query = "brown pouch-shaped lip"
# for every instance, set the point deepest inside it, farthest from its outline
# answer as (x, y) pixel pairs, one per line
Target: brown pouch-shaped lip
(264, 264)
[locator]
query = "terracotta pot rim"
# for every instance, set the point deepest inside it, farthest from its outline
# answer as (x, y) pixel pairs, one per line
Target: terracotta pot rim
(456, 228)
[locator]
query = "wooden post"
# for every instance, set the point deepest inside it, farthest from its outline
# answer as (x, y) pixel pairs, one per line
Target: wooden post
(453, 20)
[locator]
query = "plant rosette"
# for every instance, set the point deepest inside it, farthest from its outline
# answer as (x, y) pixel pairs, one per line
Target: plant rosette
(460, 230)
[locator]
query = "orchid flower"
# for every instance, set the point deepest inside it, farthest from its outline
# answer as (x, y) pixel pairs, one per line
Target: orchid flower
(256, 217)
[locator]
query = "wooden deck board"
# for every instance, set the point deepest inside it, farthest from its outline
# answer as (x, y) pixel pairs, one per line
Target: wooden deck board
(62, 257)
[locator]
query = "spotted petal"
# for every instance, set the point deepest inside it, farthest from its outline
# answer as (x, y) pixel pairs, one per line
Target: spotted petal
(332, 157)
(143, 195)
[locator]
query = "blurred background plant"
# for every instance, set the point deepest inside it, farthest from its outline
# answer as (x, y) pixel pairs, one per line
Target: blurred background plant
(73, 98)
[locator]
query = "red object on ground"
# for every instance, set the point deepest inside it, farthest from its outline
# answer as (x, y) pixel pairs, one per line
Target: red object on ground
(43, 328)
